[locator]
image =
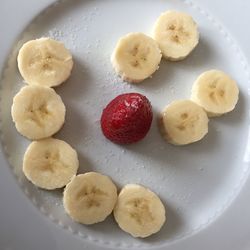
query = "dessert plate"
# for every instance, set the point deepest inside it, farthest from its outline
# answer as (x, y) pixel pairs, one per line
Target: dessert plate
(198, 182)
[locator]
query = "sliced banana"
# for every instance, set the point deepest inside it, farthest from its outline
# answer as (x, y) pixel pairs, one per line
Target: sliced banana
(177, 34)
(89, 198)
(44, 62)
(216, 92)
(136, 57)
(183, 122)
(38, 112)
(50, 163)
(139, 211)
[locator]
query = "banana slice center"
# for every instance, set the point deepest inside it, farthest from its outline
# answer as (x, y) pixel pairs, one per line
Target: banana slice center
(39, 114)
(187, 121)
(139, 56)
(139, 211)
(46, 61)
(177, 33)
(216, 92)
(51, 163)
(91, 196)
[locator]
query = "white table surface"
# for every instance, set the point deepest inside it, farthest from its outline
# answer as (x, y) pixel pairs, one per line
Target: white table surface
(19, 232)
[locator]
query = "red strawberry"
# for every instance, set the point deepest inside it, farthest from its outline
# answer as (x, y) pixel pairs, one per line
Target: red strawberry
(127, 118)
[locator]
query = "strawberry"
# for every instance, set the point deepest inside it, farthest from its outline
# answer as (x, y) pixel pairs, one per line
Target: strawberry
(127, 118)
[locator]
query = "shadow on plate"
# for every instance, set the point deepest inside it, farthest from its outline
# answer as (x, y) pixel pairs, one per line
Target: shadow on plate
(199, 57)
(73, 128)
(236, 116)
(156, 148)
(77, 85)
(168, 231)
(165, 75)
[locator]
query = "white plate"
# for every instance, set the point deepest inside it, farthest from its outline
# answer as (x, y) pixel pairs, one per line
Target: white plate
(197, 182)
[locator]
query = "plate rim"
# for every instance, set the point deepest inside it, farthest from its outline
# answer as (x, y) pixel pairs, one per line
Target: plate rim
(44, 4)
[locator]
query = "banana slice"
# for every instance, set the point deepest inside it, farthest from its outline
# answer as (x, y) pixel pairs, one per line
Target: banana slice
(136, 57)
(177, 34)
(38, 112)
(50, 163)
(216, 92)
(89, 198)
(183, 122)
(139, 211)
(44, 62)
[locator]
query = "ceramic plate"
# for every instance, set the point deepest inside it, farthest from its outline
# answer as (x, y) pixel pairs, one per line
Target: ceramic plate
(198, 182)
